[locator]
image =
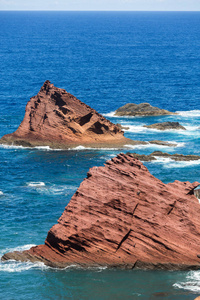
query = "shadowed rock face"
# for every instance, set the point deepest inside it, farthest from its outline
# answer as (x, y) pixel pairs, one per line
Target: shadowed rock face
(142, 109)
(166, 126)
(123, 216)
(56, 118)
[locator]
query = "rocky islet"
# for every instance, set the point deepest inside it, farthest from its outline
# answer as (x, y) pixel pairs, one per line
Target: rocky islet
(57, 119)
(166, 126)
(122, 216)
(142, 109)
(156, 154)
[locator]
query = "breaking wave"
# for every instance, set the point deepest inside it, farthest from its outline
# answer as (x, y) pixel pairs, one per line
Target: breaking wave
(17, 266)
(15, 147)
(156, 146)
(170, 163)
(57, 189)
(192, 282)
(18, 248)
(190, 130)
(189, 113)
(110, 114)
(36, 184)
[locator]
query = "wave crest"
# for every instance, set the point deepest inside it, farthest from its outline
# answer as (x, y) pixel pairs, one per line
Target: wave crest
(189, 113)
(36, 184)
(192, 282)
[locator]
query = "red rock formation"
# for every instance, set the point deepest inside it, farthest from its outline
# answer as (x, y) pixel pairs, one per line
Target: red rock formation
(121, 215)
(56, 118)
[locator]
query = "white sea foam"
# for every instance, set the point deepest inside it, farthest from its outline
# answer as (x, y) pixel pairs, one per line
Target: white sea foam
(16, 266)
(182, 164)
(192, 282)
(93, 148)
(94, 268)
(110, 114)
(46, 148)
(134, 128)
(170, 163)
(57, 190)
(189, 113)
(1, 193)
(156, 146)
(15, 147)
(43, 148)
(80, 148)
(18, 248)
(12, 147)
(36, 184)
(180, 144)
(190, 130)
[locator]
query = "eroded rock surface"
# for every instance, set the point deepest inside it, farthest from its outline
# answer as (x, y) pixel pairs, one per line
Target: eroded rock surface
(166, 126)
(123, 216)
(142, 109)
(58, 119)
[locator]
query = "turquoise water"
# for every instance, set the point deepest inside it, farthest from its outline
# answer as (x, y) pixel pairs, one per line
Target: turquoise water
(106, 60)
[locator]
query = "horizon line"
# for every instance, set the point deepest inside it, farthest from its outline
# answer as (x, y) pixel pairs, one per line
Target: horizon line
(73, 10)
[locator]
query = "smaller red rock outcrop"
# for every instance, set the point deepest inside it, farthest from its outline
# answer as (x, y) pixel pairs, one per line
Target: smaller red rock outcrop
(123, 216)
(58, 119)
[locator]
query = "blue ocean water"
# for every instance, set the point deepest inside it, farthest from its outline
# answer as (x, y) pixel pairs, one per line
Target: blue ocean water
(105, 59)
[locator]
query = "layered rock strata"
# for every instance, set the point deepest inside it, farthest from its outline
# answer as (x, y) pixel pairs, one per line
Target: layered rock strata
(58, 119)
(123, 216)
(142, 109)
(166, 126)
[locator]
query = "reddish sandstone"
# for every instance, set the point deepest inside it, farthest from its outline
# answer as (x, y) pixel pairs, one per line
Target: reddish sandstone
(58, 119)
(123, 216)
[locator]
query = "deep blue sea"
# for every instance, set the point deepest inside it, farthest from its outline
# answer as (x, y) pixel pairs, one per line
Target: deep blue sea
(106, 59)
